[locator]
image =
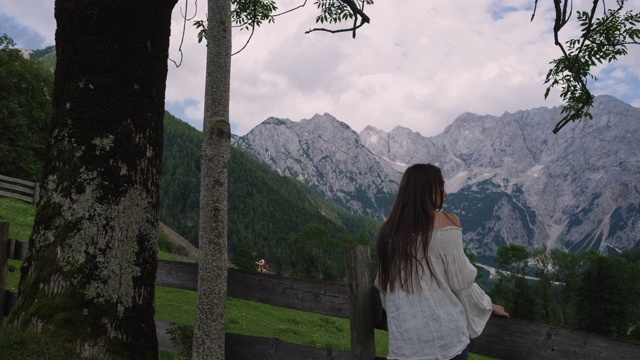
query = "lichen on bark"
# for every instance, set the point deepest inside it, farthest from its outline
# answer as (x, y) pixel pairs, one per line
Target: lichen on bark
(109, 246)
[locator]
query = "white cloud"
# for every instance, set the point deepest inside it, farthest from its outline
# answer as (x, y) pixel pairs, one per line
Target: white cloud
(35, 14)
(418, 64)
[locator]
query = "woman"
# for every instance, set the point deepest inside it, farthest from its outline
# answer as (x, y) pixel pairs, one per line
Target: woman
(425, 280)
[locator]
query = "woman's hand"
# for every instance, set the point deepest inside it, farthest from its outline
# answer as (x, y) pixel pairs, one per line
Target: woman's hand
(499, 311)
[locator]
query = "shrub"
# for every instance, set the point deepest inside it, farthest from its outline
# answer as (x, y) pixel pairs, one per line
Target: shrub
(26, 345)
(182, 338)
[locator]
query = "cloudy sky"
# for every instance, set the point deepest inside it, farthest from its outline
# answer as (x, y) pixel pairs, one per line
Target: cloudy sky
(419, 64)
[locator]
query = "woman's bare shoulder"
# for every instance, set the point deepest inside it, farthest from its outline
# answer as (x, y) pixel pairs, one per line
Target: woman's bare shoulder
(445, 219)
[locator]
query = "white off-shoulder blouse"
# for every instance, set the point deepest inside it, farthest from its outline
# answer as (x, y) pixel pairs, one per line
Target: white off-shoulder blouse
(437, 320)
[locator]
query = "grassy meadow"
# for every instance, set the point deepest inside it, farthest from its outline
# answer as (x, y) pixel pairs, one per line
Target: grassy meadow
(243, 317)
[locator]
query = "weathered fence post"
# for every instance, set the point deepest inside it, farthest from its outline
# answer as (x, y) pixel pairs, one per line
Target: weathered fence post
(36, 194)
(4, 254)
(358, 261)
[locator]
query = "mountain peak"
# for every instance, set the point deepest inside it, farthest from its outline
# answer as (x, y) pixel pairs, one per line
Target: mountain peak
(325, 121)
(324, 117)
(370, 128)
(276, 121)
(404, 131)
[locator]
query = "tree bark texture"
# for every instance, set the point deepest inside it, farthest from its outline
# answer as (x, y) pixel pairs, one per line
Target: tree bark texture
(89, 276)
(208, 338)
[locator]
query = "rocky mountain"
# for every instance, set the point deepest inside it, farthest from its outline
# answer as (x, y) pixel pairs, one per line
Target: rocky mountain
(510, 179)
(328, 156)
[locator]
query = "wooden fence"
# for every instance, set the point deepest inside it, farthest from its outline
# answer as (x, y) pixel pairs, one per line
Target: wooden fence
(358, 301)
(20, 189)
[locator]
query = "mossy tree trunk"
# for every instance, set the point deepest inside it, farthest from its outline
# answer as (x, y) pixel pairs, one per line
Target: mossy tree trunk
(208, 341)
(89, 277)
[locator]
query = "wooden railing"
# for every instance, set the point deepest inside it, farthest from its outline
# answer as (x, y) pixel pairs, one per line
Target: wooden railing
(358, 301)
(19, 189)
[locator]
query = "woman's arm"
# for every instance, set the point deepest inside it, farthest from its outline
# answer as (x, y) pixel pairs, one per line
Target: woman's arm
(498, 310)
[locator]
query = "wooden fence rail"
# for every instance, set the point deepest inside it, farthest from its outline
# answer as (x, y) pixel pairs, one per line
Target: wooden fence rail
(358, 301)
(19, 189)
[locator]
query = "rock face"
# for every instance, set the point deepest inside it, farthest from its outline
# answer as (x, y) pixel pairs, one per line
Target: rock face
(511, 180)
(328, 156)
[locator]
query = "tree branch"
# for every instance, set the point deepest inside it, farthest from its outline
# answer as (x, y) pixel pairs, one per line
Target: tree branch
(275, 15)
(567, 118)
(561, 20)
(292, 9)
(253, 28)
(535, 7)
(356, 11)
(184, 29)
(335, 31)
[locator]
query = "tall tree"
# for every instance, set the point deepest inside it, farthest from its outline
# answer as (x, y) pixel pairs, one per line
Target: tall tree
(208, 342)
(566, 272)
(208, 335)
(633, 257)
(314, 253)
(25, 111)
(603, 297)
(513, 288)
(543, 267)
(89, 276)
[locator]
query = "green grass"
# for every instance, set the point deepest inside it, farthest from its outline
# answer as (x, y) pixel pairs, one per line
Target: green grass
(256, 319)
(14, 275)
(165, 355)
(163, 255)
(178, 306)
(20, 216)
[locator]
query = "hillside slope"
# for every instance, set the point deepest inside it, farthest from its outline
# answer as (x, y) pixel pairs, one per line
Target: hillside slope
(265, 208)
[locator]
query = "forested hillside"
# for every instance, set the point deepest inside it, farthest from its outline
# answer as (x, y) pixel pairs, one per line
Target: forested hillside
(46, 56)
(275, 217)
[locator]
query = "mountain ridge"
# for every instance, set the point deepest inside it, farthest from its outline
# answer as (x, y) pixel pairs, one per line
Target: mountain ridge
(309, 151)
(573, 190)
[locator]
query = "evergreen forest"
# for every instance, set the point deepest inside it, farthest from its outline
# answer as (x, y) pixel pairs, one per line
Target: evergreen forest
(584, 291)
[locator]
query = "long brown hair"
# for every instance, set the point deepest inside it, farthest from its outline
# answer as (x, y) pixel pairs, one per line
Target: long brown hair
(410, 223)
